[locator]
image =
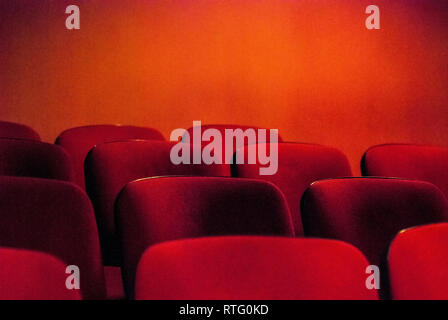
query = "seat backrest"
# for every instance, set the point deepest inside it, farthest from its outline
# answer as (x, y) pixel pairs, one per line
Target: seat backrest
(252, 268)
(110, 166)
(369, 212)
(33, 275)
(155, 210)
(55, 217)
(427, 163)
(17, 131)
(78, 141)
(28, 158)
(298, 166)
(418, 263)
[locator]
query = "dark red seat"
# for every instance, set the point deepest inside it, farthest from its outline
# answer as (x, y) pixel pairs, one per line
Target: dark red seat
(418, 263)
(55, 217)
(155, 210)
(369, 212)
(32, 275)
(427, 163)
(252, 268)
(17, 131)
(78, 141)
(298, 166)
(110, 166)
(30, 158)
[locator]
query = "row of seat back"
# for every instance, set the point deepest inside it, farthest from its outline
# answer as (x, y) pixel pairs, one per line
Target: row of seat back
(33, 275)
(241, 268)
(420, 162)
(54, 217)
(391, 160)
(155, 210)
(110, 166)
(252, 268)
(79, 141)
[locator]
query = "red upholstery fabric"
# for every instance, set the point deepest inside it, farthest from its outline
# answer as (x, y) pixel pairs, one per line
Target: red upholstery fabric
(154, 210)
(30, 158)
(298, 166)
(252, 268)
(418, 263)
(425, 163)
(78, 141)
(369, 212)
(110, 166)
(32, 275)
(55, 217)
(17, 131)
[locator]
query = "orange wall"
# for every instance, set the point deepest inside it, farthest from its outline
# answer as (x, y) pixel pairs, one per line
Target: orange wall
(309, 68)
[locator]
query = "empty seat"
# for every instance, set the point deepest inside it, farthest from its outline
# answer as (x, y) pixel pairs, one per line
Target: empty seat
(55, 217)
(252, 268)
(418, 263)
(32, 275)
(30, 158)
(154, 210)
(110, 166)
(78, 141)
(17, 131)
(298, 166)
(427, 163)
(369, 212)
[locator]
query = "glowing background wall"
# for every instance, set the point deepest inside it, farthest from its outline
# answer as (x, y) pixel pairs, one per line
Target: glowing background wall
(309, 68)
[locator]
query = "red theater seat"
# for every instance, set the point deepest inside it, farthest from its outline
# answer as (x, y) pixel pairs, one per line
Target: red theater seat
(369, 212)
(419, 162)
(154, 210)
(418, 263)
(17, 131)
(32, 275)
(298, 166)
(110, 166)
(55, 217)
(30, 158)
(78, 141)
(252, 268)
